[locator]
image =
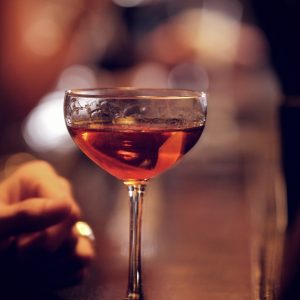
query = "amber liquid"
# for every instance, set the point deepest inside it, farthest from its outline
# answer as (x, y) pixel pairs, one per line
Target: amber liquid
(135, 154)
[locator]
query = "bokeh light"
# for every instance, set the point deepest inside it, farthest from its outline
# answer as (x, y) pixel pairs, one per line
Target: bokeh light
(188, 75)
(150, 75)
(45, 130)
(77, 76)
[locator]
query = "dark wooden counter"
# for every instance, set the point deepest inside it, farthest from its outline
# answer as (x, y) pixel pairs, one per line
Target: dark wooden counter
(211, 228)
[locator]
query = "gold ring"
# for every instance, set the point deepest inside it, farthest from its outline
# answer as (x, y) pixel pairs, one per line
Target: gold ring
(83, 229)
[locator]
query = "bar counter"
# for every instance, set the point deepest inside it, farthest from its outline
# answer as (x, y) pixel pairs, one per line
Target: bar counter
(206, 227)
(211, 229)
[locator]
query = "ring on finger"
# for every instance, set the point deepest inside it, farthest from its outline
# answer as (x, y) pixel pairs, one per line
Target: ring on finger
(83, 229)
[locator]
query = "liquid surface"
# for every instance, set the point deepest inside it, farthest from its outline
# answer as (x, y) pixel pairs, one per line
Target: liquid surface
(135, 154)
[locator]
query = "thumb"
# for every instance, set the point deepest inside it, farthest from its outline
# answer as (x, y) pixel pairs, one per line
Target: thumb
(31, 215)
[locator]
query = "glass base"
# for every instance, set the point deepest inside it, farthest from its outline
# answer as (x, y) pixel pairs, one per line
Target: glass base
(134, 296)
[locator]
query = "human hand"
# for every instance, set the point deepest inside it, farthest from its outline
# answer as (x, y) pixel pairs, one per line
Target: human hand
(38, 240)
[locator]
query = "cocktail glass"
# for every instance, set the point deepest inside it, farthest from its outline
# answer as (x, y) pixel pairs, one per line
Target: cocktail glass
(135, 135)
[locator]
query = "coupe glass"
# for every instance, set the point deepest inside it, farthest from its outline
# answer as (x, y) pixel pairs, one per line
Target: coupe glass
(135, 134)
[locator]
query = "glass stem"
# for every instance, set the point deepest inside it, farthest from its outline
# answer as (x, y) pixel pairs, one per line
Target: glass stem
(136, 195)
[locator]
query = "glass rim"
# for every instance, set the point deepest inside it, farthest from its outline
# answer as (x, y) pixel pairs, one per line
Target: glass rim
(159, 93)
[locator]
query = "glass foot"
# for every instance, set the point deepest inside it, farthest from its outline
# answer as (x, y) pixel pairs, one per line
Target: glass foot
(134, 296)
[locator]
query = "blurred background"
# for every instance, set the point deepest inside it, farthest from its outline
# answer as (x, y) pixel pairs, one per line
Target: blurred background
(216, 46)
(52, 45)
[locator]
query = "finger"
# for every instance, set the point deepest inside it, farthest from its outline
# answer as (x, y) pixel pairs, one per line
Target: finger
(35, 179)
(77, 250)
(85, 250)
(28, 244)
(47, 241)
(53, 186)
(31, 215)
(39, 179)
(50, 239)
(74, 254)
(56, 235)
